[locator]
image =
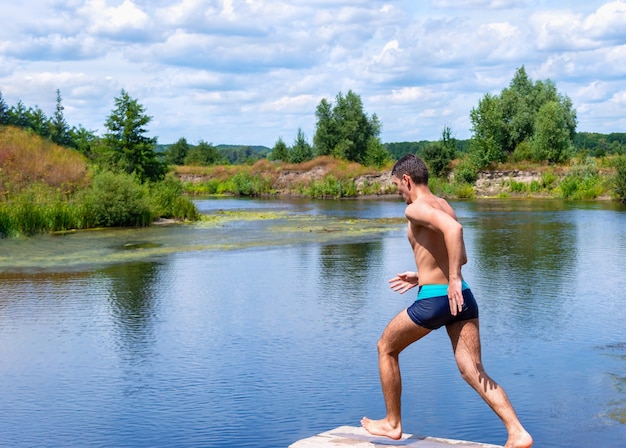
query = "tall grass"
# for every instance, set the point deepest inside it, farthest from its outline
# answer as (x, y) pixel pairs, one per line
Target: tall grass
(26, 158)
(38, 209)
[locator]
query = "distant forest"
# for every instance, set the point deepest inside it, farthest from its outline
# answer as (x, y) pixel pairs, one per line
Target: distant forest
(591, 143)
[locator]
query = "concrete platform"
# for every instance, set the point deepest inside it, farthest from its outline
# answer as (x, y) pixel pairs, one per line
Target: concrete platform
(351, 436)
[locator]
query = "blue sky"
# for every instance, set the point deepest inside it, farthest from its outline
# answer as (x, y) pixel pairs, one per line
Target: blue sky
(251, 71)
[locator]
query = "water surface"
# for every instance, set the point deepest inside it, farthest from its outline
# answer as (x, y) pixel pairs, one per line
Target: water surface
(258, 327)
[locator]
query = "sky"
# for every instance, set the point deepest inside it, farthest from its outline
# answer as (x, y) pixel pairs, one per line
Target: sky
(249, 72)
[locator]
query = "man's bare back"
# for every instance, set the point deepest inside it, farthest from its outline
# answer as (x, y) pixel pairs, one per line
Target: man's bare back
(429, 247)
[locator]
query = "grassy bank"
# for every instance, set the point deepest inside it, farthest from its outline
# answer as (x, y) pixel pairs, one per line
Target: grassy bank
(48, 188)
(584, 178)
(323, 177)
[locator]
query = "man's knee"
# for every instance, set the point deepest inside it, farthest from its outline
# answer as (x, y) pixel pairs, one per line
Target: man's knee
(386, 347)
(383, 346)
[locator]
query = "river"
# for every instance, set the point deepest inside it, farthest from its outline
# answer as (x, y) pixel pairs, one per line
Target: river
(258, 327)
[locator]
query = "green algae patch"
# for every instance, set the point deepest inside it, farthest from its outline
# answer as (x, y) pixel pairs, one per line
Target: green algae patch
(323, 225)
(218, 231)
(223, 217)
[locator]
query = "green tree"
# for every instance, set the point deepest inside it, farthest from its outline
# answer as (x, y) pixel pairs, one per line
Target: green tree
(301, 150)
(237, 155)
(551, 140)
(345, 130)
(325, 138)
(489, 132)
(438, 155)
(83, 140)
(38, 121)
(203, 154)
(280, 151)
(59, 129)
(129, 148)
(4, 111)
(176, 153)
(18, 115)
(501, 123)
(376, 154)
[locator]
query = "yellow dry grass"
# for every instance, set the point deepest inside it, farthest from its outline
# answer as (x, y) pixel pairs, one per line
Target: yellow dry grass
(26, 158)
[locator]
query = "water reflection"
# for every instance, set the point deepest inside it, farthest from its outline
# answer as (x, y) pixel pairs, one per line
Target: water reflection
(346, 272)
(527, 259)
(134, 304)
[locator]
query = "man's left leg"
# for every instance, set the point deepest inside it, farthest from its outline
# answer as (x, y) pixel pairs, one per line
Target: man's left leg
(399, 334)
(465, 338)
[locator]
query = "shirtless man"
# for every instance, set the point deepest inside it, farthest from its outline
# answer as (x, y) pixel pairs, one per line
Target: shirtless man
(436, 238)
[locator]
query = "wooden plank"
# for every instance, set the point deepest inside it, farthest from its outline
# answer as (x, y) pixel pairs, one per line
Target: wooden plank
(357, 437)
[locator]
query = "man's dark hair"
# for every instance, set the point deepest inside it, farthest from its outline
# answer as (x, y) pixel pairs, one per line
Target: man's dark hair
(414, 167)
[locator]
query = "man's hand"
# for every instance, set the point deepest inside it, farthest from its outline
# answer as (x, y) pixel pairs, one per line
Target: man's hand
(403, 282)
(455, 296)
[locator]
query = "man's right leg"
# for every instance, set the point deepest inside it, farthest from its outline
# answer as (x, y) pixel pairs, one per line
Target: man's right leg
(399, 334)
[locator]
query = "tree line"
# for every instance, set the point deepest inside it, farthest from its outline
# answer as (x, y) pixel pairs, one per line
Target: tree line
(528, 120)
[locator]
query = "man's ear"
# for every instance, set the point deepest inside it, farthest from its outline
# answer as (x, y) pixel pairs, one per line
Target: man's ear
(407, 180)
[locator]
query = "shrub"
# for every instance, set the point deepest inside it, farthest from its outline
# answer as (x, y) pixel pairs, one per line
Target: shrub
(466, 172)
(328, 187)
(463, 191)
(440, 186)
(534, 186)
(547, 179)
(6, 229)
(247, 184)
(523, 151)
(517, 187)
(583, 182)
(116, 200)
(166, 200)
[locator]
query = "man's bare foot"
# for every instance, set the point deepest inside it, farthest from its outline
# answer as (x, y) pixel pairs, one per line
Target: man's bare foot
(519, 440)
(382, 428)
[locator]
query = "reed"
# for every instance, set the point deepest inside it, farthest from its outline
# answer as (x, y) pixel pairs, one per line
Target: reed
(36, 210)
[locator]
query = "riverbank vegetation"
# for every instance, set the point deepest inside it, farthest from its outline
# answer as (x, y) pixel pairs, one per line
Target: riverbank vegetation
(114, 181)
(57, 177)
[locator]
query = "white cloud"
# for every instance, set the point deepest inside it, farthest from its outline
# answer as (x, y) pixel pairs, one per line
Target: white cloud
(116, 20)
(619, 98)
(490, 4)
(608, 22)
(254, 70)
(560, 30)
(295, 104)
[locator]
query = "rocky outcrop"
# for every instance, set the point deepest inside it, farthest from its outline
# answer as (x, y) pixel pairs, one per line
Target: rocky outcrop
(492, 183)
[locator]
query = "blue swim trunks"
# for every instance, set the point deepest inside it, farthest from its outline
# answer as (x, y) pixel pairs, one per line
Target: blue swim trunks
(432, 309)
